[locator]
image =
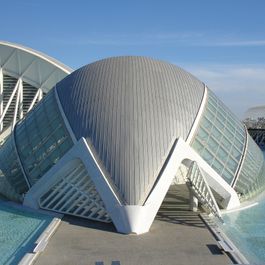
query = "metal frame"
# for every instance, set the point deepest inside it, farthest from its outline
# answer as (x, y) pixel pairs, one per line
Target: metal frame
(219, 107)
(18, 157)
(74, 193)
(26, 66)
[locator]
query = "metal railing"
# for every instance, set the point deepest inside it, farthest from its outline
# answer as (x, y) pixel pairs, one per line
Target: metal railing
(199, 186)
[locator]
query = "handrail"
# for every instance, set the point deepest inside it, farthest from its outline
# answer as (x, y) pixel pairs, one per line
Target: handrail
(199, 186)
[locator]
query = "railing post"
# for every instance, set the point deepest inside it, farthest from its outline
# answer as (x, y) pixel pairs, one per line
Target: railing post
(193, 202)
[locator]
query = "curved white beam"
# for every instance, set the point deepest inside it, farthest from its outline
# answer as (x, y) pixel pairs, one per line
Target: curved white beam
(41, 55)
(34, 68)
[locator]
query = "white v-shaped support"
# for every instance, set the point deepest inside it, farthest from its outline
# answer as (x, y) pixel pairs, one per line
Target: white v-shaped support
(135, 218)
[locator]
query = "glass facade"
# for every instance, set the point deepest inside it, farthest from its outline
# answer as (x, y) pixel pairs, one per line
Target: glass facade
(41, 140)
(251, 178)
(10, 167)
(220, 138)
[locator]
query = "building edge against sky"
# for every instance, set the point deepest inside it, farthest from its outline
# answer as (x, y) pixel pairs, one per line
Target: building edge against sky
(109, 139)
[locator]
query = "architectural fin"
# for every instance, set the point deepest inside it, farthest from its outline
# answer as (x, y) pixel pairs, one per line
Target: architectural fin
(75, 194)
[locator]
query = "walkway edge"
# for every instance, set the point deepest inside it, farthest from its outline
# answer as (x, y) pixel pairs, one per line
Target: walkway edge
(41, 242)
(224, 242)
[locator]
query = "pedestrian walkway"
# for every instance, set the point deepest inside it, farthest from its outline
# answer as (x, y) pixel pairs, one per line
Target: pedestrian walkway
(177, 236)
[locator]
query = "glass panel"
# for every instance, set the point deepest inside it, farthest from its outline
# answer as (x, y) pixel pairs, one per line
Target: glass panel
(228, 176)
(239, 137)
(46, 132)
(197, 146)
(65, 146)
(230, 127)
(217, 166)
(232, 165)
(203, 135)
(238, 144)
(10, 167)
(222, 113)
(44, 166)
(219, 125)
(207, 156)
(212, 99)
(228, 134)
(251, 178)
(222, 154)
(209, 115)
(223, 137)
(235, 153)
(213, 145)
(206, 123)
(54, 156)
(222, 118)
(211, 108)
(226, 143)
(216, 133)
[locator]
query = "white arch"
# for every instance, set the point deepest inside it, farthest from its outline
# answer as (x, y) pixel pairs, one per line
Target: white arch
(24, 66)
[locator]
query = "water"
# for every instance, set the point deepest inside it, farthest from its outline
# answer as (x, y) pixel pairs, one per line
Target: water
(19, 230)
(246, 229)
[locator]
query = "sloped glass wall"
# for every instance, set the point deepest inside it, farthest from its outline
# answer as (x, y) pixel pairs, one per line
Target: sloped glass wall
(220, 138)
(42, 138)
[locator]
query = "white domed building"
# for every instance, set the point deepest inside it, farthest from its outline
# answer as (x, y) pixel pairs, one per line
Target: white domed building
(109, 139)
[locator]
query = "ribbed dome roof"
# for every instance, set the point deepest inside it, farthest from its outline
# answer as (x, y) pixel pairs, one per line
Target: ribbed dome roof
(131, 110)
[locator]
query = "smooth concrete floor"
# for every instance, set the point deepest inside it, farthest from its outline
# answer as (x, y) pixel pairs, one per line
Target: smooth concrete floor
(176, 237)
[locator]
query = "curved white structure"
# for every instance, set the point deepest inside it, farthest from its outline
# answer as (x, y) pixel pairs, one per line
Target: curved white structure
(25, 75)
(107, 142)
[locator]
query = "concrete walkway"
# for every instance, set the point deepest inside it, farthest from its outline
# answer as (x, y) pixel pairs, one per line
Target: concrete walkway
(177, 236)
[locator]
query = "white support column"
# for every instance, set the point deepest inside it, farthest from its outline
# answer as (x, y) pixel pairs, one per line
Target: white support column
(193, 202)
(1, 97)
(20, 103)
(9, 101)
(40, 95)
(17, 103)
(34, 100)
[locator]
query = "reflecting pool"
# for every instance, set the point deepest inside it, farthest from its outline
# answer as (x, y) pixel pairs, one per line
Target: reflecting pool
(19, 229)
(246, 229)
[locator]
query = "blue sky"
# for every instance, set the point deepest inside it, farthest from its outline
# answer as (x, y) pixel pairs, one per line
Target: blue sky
(220, 42)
